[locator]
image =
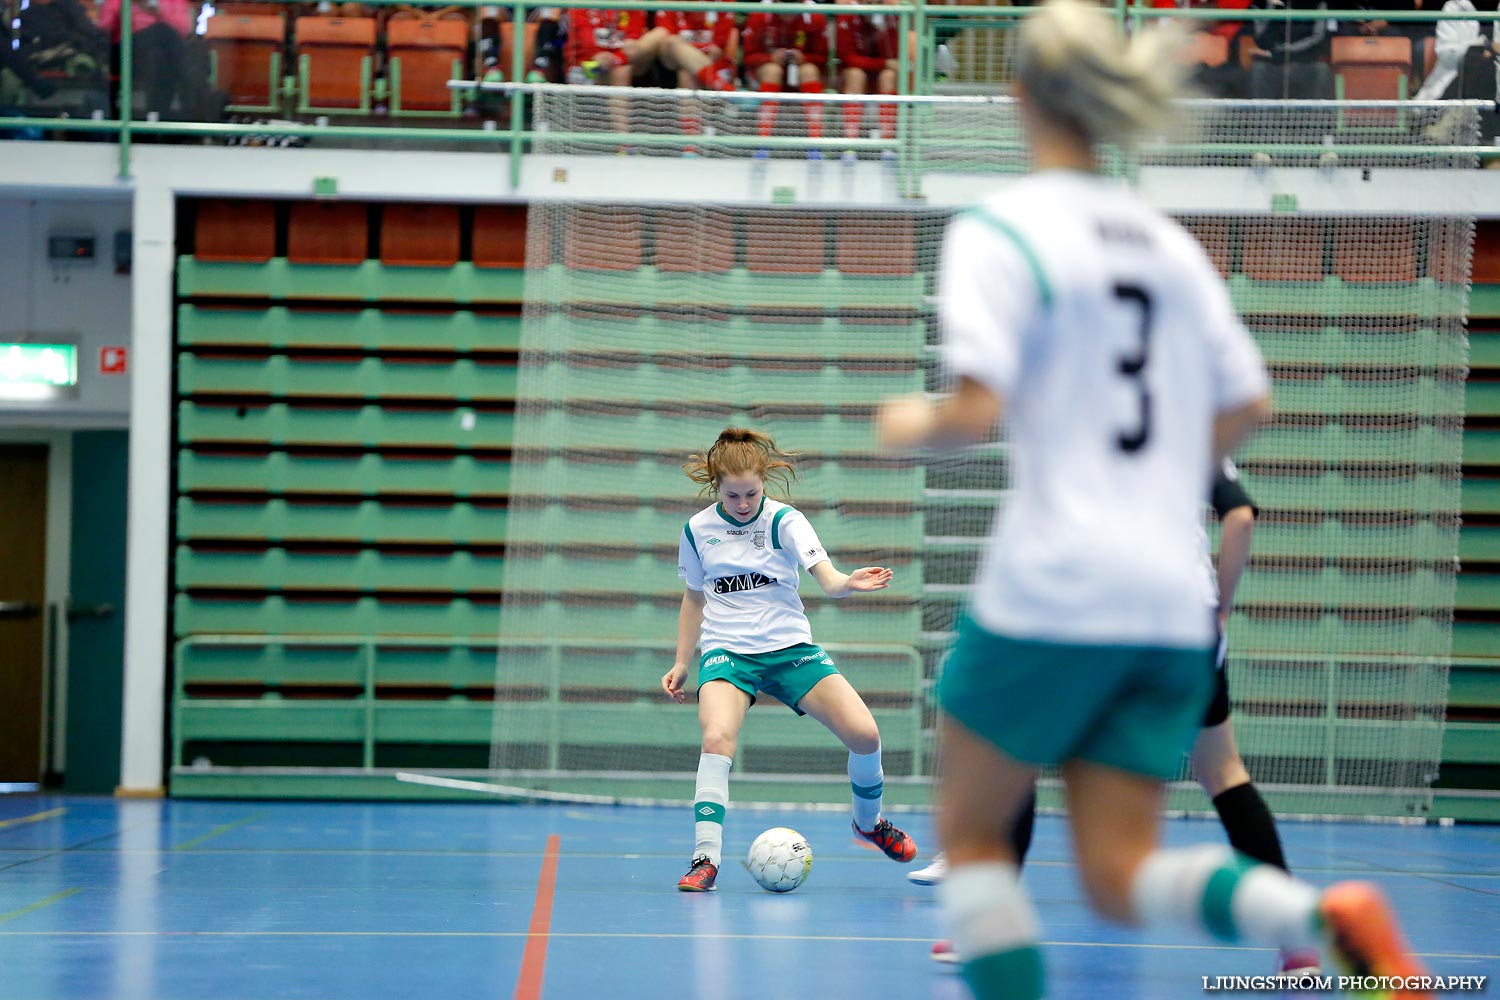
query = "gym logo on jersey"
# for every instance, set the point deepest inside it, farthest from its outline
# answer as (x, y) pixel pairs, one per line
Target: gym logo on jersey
(736, 531)
(744, 581)
(758, 539)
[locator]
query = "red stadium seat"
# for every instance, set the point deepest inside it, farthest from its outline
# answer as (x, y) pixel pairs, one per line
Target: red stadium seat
(1379, 251)
(786, 242)
(603, 239)
(499, 235)
(246, 50)
(1283, 250)
(689, 241)
(419, 235)
(334, 60)
(1371, 69)
(1214, 234)
(425, 53)
(238, 231)
(1205, 49)
(885, 246)
(327, 232)
(507, 45)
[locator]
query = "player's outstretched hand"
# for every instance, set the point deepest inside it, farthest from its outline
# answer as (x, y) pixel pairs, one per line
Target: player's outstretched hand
(905, 422)
(870, 578)
(674, 682)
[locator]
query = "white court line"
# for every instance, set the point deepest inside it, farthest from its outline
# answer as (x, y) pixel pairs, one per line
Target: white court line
(666, 937)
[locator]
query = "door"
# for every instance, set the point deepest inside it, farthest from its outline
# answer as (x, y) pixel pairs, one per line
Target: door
(23, 569)
(95, 612)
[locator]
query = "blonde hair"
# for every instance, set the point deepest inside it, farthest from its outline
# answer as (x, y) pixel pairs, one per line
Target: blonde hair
(1079, 72)
(740, 452)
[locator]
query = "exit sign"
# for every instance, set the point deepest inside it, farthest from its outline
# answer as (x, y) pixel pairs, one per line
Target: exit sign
(38, 364)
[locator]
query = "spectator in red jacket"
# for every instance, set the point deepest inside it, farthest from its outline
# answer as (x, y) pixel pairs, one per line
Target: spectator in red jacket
(787, 50)
(868, 48)
(157, 30)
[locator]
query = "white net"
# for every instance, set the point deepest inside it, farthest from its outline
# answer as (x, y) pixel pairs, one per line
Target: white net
(648, 330)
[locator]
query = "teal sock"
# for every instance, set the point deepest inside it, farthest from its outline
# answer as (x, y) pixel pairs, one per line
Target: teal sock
(1007, 975)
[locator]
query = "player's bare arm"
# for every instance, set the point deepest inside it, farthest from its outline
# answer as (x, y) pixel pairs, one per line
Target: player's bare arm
(840, 585)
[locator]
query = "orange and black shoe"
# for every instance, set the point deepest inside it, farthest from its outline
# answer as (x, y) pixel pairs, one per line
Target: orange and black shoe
(1365, 937)
(700, 877)
(894, 843)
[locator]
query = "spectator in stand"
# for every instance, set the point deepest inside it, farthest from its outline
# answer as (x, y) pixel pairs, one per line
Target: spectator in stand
(607, 46)
(1230, 79)
(1467, 67)
(544, 61)
(868, 48)
(1291, 56)
(158, 28)
(787, 50)
(1413, 30)
(702, 47)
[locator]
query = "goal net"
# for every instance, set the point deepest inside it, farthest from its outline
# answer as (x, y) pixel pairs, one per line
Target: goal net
(652, 325)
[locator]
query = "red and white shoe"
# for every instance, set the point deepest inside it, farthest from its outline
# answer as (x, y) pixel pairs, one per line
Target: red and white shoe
(1299, 962)
(943, 953)
(1366, 939)
(700, 877)
(894, 843)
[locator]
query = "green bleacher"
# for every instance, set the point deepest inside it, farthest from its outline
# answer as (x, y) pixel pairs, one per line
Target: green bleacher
(344, 438)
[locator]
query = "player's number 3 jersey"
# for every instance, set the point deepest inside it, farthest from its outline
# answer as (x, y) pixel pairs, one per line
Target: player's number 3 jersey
(748, 575)
(1105, 329)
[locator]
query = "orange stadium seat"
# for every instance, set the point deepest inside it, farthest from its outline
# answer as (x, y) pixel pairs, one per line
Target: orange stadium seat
(246, 50)
(499, 235)
(334, 60)
(419, 235)
(1214, 234)
(1371, 69)
(327, 232)
(785, 242)
(425, 54)
(1283, 250)
(689, 241)
(1206, 49)
(238, 231)
(1380, 251)
(887, 246)
(603, 239)
(507, 45)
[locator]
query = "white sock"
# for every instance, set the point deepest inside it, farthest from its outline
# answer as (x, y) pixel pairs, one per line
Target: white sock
(867, 779)
(995, 930)
(1227, 894)
(709, 803)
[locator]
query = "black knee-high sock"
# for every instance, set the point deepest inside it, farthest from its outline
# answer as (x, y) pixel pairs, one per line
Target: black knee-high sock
(1020, 833)
(1248, 822)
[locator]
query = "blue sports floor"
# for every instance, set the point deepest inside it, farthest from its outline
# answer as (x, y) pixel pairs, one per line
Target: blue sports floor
(112, 900)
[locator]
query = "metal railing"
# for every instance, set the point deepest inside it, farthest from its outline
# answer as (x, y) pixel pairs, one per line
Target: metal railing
(918, 26)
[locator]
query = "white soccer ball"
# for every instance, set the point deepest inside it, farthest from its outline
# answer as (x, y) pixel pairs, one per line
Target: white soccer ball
(779, 860)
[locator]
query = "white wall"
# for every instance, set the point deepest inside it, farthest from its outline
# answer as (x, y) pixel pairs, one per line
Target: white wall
(78, 302)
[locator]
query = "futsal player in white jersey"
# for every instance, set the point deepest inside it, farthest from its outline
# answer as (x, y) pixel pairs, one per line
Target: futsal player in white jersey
(739, 558)
(1102, 331)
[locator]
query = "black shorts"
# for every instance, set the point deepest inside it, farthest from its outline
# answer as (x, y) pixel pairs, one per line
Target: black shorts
(1218, 705)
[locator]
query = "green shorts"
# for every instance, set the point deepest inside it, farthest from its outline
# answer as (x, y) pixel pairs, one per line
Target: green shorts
(784, 674)
(1136, 708)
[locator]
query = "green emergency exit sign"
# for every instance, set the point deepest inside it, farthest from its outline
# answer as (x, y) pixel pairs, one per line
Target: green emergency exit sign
(38, 364)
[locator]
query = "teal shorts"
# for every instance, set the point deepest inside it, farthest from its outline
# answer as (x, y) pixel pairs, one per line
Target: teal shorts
(1136, 708)
(784, 674)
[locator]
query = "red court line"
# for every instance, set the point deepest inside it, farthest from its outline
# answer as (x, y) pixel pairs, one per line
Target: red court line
(534, 958)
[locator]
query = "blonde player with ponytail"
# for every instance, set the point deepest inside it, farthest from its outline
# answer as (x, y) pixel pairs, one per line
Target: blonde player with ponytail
(739, 558)
(1101, 330)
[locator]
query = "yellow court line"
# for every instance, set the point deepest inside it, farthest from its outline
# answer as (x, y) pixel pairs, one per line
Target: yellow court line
(33, 818)
(216, 831)
(56, 897)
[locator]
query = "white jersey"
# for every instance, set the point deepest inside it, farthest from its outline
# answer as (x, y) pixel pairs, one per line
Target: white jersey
(1113, 342)
(748, 574)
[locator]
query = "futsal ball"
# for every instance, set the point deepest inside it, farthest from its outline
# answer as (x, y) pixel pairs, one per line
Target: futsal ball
(779, 860)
